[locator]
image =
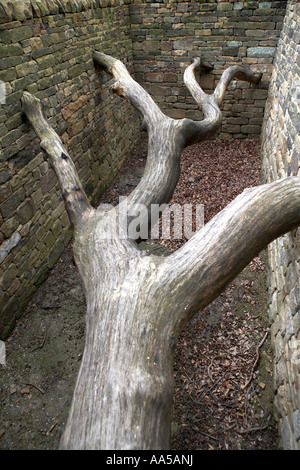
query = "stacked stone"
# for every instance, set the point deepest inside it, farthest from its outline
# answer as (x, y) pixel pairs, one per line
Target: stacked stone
(281, 158)
(167, 34)
(46, 48)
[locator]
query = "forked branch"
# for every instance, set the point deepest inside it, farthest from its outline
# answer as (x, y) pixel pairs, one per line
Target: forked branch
(137, 304)
(196, 131)
(167, 137)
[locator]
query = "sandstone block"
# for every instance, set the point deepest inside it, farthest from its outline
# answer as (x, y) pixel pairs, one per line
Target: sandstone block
(260, 51)
(73, 107)
(26, 211)
(48, 181)
(27, 68)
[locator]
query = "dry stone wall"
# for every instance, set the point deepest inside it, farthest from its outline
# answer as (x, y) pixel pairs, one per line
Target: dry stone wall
(167, 34)
(46, 48)
(281, 158)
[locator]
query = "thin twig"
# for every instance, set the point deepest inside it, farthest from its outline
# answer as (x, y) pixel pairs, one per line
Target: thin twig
(256, 360)
(255, 429)
(208, 435)
(42, 343)
(208, 369)
(35, 386)
(51, 429)
(230, 427)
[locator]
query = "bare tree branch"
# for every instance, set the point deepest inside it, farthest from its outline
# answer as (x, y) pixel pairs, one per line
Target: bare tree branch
(207, 102)
(76, 201)
(196, 131)
(126, 87)
(201, 269)
(166, 137)
(165, 141)
(235, 71)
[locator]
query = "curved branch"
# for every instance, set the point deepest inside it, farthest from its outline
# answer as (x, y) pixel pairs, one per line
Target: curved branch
(167, 137)
(210, 109)
(195, 131)
(126, 87)
(228, 75)
(76, 201)
(199, 271)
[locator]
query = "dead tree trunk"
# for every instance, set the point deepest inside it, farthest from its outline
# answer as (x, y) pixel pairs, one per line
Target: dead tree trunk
(137, 304)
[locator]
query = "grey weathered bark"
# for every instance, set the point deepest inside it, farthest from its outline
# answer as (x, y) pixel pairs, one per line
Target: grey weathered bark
(137, 304)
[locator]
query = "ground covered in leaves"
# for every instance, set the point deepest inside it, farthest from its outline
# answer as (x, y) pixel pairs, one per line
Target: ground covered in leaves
(223, 363)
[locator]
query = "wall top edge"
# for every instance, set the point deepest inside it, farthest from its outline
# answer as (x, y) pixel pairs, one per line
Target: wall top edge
(22, 10)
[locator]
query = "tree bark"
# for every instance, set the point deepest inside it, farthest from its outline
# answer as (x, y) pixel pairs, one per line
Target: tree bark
(137, 304)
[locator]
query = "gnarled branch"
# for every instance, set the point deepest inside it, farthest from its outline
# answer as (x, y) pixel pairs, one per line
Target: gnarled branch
(196, 131)
(235, 71)
(76, 201)
(137, 303)
(165, 142)
(126, 87)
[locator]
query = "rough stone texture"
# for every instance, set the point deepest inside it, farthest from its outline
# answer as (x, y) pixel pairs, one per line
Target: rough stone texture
(158, 38)
(46, 48)
(280, 158)
(167, 34)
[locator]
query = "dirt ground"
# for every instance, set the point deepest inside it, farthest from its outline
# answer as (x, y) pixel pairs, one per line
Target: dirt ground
(223, 363)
